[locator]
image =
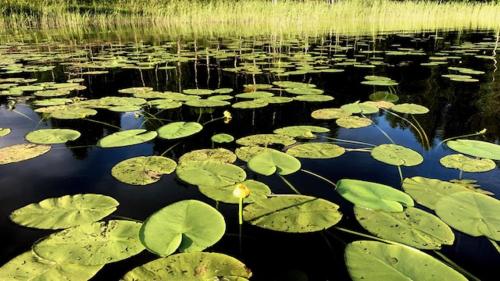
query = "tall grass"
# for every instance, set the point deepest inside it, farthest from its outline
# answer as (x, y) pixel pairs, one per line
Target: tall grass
(247, 17)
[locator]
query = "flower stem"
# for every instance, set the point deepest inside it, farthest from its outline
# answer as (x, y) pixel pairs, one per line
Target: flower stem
(350, 141)
(103, 123)
(289, 184)
(320, 177)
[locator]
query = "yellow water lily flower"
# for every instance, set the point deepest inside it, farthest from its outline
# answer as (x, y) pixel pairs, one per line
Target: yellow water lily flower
(241, 191)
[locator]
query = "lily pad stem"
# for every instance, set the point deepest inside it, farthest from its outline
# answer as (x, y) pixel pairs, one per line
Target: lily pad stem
(320, 177)
(240, 211)
(170, 148)
(407, 121)
(350, 141)
(213, 120)
(422, 130)
(22, 114)
(483, 131)
(289, 184)
(456, 266)
(103, 123)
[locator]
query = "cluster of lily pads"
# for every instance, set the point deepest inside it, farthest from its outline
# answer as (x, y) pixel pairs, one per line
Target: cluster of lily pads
(180, 232)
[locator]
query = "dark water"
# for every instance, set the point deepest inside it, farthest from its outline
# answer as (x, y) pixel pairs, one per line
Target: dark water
(455, 109)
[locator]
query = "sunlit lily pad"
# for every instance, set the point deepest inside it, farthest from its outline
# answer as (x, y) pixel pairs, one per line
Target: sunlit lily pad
(21, 152)
(427, 192)
(210, 173)
(384, 96)
(198, 92)
(329, 113)
(96, 243)
(467, 164)
(476, 148)
(29, 267)
(396, 155)
(72, 113)
(4, 132)
(52, 136)
(410, 108)
(293, 213)
(177, 130)
(245, 153)
(412, 227)
(192, 267)
(316, 150)
(258, 191)
(272, 161)
(302, 131)
(222, 138)
(375, 261)
(255, 95)
(314, 98)
(206, 103)
(472, 213)
(293, 84)
(216, 154)
(143, 170)
(353, 122)
(265, 140)
(359, 108)
(66, 211)
(186, 226)
(304, 91)
(258, 103)
(125, 138)
(373, 195)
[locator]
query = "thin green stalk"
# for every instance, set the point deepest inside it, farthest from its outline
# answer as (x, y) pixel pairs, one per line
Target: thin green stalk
(350, 141)
(22, 114)
(469, 275)
(213, 120)
(400, 174)
(240, 211)
(289, 184)
(495, 244)
(409, 122)
(482, 132)
(199, 116)
(365, 235)
(102, 123)
(358, 149)
(170, 148)
(320, 177)
(423, 131)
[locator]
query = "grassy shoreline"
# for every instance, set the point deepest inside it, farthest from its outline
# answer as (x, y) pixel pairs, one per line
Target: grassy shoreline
(250, 16)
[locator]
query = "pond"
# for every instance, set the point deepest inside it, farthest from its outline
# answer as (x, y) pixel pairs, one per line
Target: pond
(340, 113)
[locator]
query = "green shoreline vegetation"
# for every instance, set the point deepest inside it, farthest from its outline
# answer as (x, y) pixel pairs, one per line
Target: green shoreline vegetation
(244, 18)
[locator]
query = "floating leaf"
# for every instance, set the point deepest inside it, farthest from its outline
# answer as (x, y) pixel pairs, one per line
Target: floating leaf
(314, 98)
(177, 130)
(28, 267)
(125, 138)
(476, 148)
(245, 153)
(293, 213)
(316, 150)
(72, 113)
(410, 108)
(21, 152)
(198, 92)
(305, 132)
(384, 96)
(373, 195)
(396, 155)
(472, 213)
(304, 91)
(255, 95)
(222, 138)
(52, 136)
(329, 113)
(250, 104)
(359, 108)
(412, 227)
(206, 103)
(66, 211)
(258, 191)
(187, 226)
(210, 173)
(96, 243)
(4, 132)
(192, 267)
(143, 170)
(272, 161)
(467, 164)
(375, 261)
(265, 140)
(353, 122)
(216, 154)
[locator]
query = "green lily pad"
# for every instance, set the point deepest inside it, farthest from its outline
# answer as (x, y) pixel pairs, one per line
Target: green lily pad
(206, 103)
(216, 154)
(222, 138)
(427, 192)
(21, 152)
(303, 131)
(472, 213)
(360, 108)
(265, 140)
(276, 100)
(69, 113)
(192, 267)
(52, 102)
(412, 227)
(165, 104)
(66, 211)
(255, 95)
(96, 243)
(396, 155)
(210, 173)
(329, 113)
(272, 161)
(177, 130)
(198, 92)
(375, 261)
(467, 164)
(304, 91)
(316, 150)
(314, 98)
(28, 267)
(476, 148)
(410, 108)
(258, 191)
(187, 226)
(125, 138)
(258, 103)
(382, 83)
(245, 153)
(373, 195)
(125, 108)
(293, 213)
(52, 136)
(143, 170)
(293, 84)
(4, 132)
(353, 122)
(384, 96)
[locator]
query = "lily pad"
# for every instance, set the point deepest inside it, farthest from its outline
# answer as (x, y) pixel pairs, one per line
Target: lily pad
(52, 136)
(410, 108)
(396, 155)
(125, 138)
(359, 108)
(375, 261)
(96, 243)
(303, 131)
(258, 103)
(258, 191)
(206, 103)
(272, 161)
(222, 138)
(4, 132)
(192, 267)
(384, 96)
(198, 92)
(316, 150)
(143, 170)
(66, 211)
(187, 226)
(412, 227)
(329, 113)
(314, 98)
(373, 195)
(28, 267)
(72, 113)
(216, 154)
(472, 213)
(467, 164)
(245, 153)
(353, 122)
(177, 130)
(265, 140)
(293, 213)
(210, 173)
(21, 152)
(476, 148)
